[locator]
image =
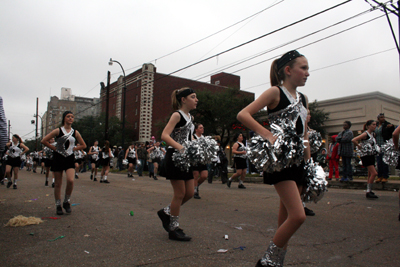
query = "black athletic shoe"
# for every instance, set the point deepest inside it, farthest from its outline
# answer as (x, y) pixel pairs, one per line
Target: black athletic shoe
(15, 186)
(9, 184)
(371, 195)
(91, 177)
(165, 218)
(229, 183)
(46, 183)
(76, 176)
(34, 171)
(241, 186)
(2, 182)
(178, 235)
(59, 210)
(196, 195)
(155, 177)
(308, 212)
(52, 185)
(94, 179)
(67, 207)
(105, 181)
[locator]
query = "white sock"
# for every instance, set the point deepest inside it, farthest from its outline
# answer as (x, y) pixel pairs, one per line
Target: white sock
(105, 178)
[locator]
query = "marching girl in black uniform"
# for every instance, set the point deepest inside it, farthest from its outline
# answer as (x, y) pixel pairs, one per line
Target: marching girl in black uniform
(287, 73)
(132, 157)
(79, 154)
(48, 159)
(94, 153)
(200, 172)
(16, 148)
(239, 157)
(63, 158)
(106, 155)
(368, 161)
(35, 156)
(156, 154)
(179, 129)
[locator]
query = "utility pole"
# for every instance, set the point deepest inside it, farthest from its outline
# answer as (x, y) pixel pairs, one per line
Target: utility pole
(394, 10)
(36, 135)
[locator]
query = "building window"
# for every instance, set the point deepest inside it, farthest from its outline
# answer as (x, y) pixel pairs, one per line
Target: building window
(137, 98)
(136, 112)
(217, 82)
(135, 125)
(113, 106)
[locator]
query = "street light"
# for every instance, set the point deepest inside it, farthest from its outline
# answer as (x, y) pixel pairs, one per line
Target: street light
(123, 105)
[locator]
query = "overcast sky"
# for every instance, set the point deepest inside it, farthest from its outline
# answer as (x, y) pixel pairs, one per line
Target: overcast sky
(46, 45)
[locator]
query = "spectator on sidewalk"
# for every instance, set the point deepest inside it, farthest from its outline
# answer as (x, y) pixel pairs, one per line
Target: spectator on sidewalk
(346, 151)
(383, 131)
(333, 158)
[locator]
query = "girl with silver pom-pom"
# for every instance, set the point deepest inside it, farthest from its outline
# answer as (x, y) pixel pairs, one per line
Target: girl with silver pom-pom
(367, 155)
(284, 102)
(63, 158)
(178, 130)
(395, 137)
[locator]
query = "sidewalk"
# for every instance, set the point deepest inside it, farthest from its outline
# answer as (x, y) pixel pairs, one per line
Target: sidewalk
(391, 185)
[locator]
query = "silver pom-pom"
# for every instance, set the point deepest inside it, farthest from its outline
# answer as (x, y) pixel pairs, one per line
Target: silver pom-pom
(200, 151)
(390, 154)
(367, 149)
(287, 151)
(156, 153)
(316, 184)
(315, 140)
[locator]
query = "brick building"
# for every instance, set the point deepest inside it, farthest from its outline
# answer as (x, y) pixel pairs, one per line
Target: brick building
(148, 97)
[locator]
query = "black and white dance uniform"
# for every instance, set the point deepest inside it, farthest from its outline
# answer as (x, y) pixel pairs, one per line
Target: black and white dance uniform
(369, 158)
(156, 155)
(48, 156)
(105, 157)
(78, 156)
(199, 167)
(131, 155)
(240, 159)
(63, 157)
(95, 157)
(182, 132)
(35, 156)
(296, 110)
(14, 155)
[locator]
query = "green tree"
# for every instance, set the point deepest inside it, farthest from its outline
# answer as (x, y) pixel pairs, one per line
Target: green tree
(217, 111)
(92, 128)
(318, 118)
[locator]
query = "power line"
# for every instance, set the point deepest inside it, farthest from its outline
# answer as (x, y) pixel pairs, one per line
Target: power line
(202, 39)
(206, 75)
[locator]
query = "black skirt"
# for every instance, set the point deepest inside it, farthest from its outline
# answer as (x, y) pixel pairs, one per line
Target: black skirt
(368, 160)
(240, 163)
(61, 163)
(200, 168)
(294, 173)
(13, 162)
(171, 171)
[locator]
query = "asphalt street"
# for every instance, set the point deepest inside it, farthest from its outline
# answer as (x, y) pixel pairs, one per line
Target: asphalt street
(348, 229)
